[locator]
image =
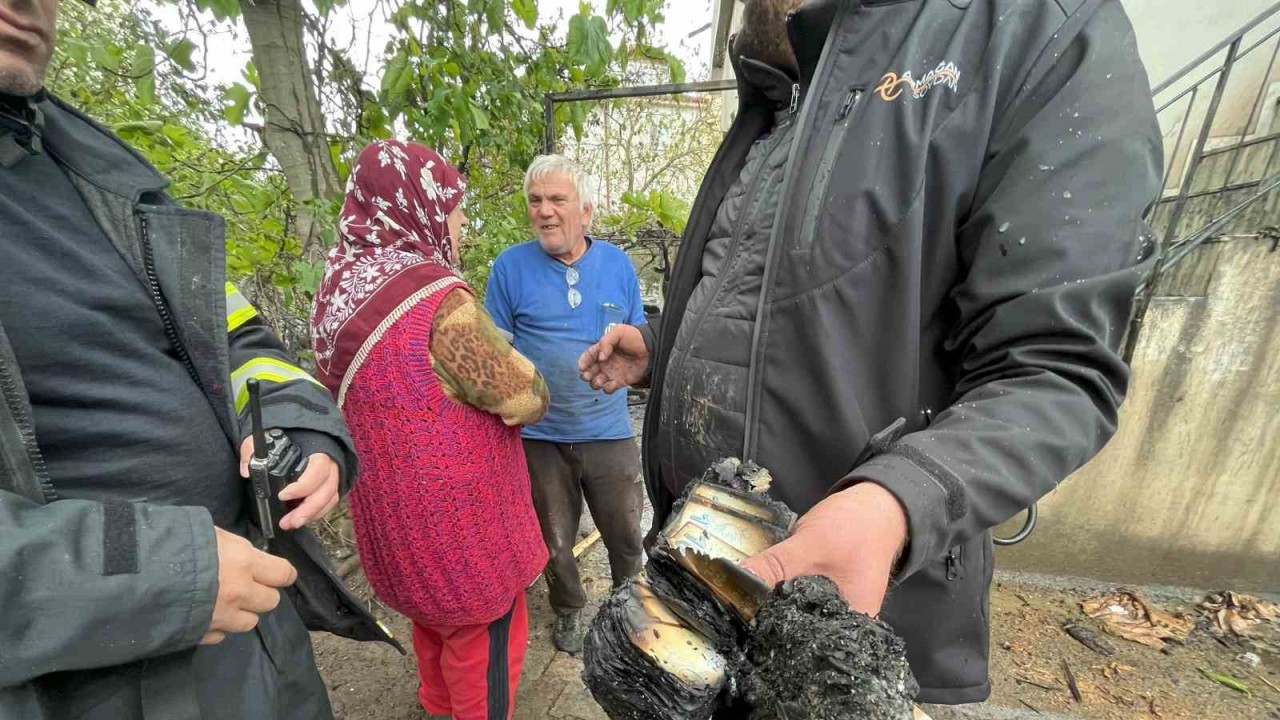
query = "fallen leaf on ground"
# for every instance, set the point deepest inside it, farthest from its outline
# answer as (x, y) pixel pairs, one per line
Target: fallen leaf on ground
(1226, 681)
(1115, 670)
(1237, 614)
(1127, 615)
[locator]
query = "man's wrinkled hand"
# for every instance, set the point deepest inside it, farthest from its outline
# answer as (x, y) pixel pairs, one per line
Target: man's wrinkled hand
(248, 586)
(617, 361)
(853, 537)
(317, 487)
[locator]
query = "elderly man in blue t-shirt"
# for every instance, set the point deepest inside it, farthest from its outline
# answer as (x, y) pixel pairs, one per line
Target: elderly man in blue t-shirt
(555, 296)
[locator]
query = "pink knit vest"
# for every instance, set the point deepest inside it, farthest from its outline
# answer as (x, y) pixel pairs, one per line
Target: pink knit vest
(443, 512)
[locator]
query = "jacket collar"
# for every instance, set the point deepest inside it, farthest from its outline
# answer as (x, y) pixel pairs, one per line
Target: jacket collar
(771, 82)
(807, 28)
(95, 153)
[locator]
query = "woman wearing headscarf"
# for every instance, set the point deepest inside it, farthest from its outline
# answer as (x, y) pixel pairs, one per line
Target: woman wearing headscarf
(434, 396)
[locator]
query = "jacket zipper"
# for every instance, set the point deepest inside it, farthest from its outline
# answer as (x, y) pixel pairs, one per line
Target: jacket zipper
(806, 113)
(157, 298)
(822, 180)
(22, 417)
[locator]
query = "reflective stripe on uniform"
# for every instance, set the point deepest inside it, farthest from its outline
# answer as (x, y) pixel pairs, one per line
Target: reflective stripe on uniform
(239, 310)
(265, 369)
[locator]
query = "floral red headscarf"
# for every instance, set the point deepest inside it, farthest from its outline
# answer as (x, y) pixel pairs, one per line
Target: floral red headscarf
(393, 246)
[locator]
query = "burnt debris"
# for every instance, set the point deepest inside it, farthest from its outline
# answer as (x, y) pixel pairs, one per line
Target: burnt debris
(810, 656)
(641, 662)
(697, 635)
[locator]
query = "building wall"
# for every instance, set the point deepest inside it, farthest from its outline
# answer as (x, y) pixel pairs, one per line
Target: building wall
(1188, 491)
(1172, 33)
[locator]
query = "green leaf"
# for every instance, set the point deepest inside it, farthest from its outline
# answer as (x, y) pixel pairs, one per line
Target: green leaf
(1226, 681)
(250, 75)
(75, 49)
(479, 117)
(144, 70)
(308, 274)
(235, 101)
(180, 52)
(588, 43)
(676, 66)
(672, 212)
(394, 73)
(222, 9)
(139, 127)
(495, 12)
(107, 56)
(633, 10)
(526, 10)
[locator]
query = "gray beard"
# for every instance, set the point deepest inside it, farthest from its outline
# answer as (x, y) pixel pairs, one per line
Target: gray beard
(22, 84)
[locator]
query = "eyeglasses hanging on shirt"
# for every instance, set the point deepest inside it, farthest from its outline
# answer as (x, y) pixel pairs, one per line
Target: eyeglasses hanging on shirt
(571, 276)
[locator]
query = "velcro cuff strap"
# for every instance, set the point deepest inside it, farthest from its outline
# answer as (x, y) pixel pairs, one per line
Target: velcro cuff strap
(119, 538)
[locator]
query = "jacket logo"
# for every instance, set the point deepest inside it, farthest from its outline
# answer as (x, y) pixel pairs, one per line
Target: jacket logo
(892, 85)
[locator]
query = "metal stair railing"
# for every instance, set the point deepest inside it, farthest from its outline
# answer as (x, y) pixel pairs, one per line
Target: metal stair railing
(1179, 108)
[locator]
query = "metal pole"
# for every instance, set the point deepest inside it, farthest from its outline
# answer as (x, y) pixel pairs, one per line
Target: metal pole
(549, 117)
(1197, 152)
(1182, 131)
(1244, 132)
(1144, 300)
(644, 91)
(550, 99)
(1183, 249)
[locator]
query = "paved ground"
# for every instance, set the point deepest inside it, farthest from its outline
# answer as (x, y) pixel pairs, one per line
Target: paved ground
(552, 684)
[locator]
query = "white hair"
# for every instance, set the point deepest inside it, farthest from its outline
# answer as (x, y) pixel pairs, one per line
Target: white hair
(545, 166)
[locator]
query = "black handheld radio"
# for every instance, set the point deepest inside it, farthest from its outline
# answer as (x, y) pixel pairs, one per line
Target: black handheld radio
(276, 462)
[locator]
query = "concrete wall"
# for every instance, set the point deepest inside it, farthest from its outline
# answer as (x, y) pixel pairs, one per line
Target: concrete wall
(1188, 492)
(1172, 33)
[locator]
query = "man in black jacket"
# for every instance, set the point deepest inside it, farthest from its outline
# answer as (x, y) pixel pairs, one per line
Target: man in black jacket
(127, 585)
(902, 289)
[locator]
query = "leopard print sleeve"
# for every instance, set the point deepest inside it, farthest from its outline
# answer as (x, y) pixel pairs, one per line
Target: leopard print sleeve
(477, 366)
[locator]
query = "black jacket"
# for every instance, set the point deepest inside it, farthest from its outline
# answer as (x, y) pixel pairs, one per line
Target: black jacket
(62, 609)
(952, 266)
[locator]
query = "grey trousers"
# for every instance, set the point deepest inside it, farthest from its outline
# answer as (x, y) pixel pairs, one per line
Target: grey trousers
(607, 474)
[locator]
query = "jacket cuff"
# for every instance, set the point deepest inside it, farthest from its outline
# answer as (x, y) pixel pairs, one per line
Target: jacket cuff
(165, 527)
(923, 499)
(649, 334)
(314, 441)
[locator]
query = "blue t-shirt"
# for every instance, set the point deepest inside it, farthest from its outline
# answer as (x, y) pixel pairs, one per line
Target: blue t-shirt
(531, 297)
